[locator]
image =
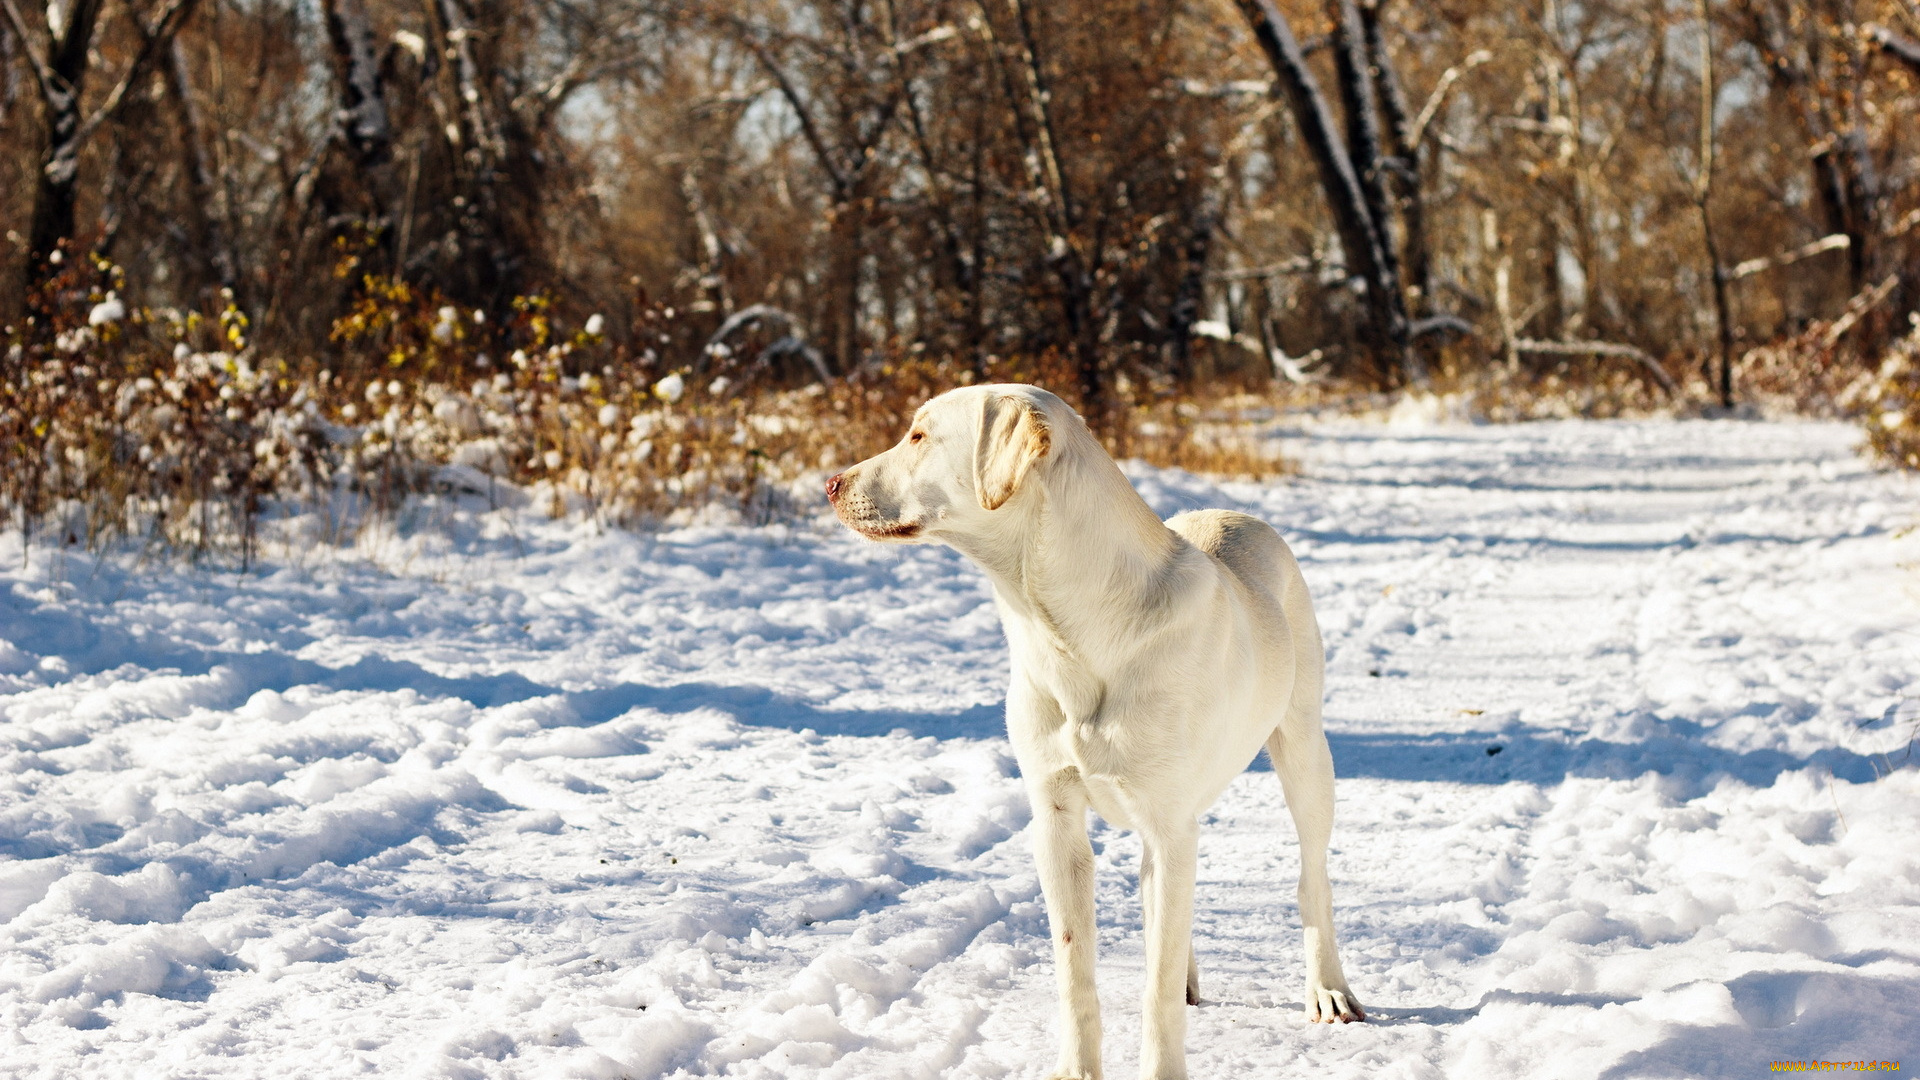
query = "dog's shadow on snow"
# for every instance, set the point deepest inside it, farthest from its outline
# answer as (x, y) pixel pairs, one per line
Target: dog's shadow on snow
(1790, 1014)
(1794, 1015)
(1443, 1015)
(1679, 751)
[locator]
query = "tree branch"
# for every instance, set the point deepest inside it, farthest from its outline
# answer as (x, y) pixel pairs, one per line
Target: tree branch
(1441, 324)
(1601, 348)
(152, 36)
(1837, 241)
(1438, 97)
(810, 131)
(1903, 49)
(41, 71)
(1865, 301)
(1283, 268)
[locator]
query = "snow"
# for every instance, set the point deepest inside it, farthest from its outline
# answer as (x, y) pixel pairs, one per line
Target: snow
(110, 310)
(1619, 710)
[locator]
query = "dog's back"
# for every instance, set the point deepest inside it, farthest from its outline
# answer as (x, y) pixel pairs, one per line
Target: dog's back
(1250, 547)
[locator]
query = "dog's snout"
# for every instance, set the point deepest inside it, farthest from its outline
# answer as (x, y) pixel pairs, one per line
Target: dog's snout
(834, 483)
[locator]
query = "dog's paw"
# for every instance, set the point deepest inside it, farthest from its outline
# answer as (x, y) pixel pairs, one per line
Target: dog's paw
(1329, 1005)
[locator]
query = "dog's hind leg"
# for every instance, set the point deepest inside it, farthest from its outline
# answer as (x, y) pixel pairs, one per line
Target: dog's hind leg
(1166, 901)
(1305, 766)
(1065, 860)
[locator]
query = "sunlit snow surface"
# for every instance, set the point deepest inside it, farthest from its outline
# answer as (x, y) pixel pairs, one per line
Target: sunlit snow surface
(1606, 701)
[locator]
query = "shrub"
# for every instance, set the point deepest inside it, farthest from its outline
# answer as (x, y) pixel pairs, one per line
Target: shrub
(1889, 403)
(173, 429)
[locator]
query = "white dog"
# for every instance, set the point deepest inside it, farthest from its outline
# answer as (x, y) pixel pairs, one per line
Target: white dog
(1150, 663)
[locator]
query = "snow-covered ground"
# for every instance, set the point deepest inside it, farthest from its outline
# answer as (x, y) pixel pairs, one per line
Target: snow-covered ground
(1608, 703)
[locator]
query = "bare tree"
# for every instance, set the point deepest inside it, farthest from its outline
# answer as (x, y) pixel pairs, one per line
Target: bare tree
(1365, 238)
(1702, 198)
(61, 51)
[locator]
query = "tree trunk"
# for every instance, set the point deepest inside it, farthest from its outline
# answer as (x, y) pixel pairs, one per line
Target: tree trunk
(1415, 263)
(1702, 195)
(1071, 265)
(1094, 404)
(713, 274)
(362, 118)
(1723, 314)
(492, 152)
(1191, 292)
(1364, 239)
(56, 192)
(69, 51)
(215, 262)
(843, 286)
(1403, 144)
(1353, 72)
(10, 82)
(953, 272)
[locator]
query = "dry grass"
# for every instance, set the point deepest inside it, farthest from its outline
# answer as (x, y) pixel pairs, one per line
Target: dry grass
(172, 430)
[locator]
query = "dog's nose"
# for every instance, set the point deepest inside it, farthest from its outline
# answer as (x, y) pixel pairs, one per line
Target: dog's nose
(834, 484)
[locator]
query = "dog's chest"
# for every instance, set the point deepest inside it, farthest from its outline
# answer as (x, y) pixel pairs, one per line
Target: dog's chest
(1080, 718)
(1056, 671)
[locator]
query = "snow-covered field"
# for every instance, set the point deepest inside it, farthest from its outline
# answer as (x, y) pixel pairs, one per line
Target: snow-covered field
(1608, 703)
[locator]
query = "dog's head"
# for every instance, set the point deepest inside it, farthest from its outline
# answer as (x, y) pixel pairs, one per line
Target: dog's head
(969, 455)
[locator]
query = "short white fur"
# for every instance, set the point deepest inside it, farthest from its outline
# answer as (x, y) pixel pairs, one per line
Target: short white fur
(1150, 662)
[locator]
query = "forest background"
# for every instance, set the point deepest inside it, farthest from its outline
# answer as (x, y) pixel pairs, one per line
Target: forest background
(646, 256)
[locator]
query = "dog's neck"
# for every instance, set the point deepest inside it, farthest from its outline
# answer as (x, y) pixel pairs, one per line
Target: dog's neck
(1083, 568)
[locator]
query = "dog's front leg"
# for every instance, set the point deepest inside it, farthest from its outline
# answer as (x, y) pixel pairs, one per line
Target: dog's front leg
(1166, 901)
(1066, 878)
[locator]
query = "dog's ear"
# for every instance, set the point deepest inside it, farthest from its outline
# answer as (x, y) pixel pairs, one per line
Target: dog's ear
(1013, 438)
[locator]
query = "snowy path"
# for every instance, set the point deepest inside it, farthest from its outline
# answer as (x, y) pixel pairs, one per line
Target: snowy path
(1602, 698)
